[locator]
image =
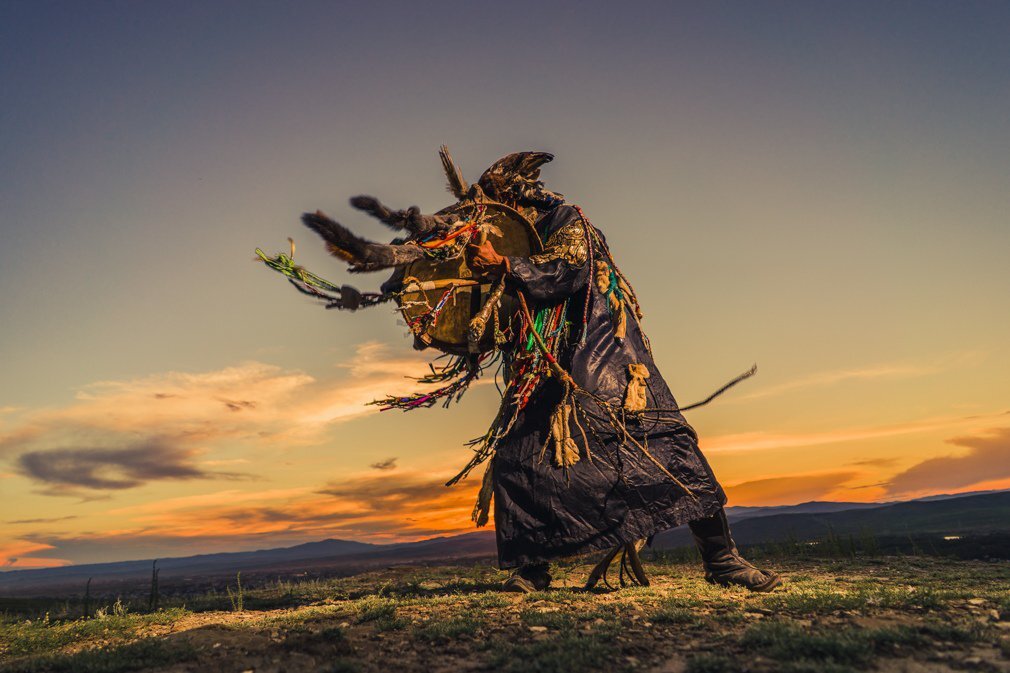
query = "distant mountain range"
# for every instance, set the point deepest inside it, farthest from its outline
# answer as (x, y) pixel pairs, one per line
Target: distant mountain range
(959, 514)
(326, 557)
(968, 514)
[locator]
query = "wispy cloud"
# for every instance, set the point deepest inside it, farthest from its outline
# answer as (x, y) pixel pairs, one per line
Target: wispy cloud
(788, 490)
(123, 434)
(867, 373)
(875, 462)
(28, 554)
(53, 519)
(114, 469)
(987, 459)
(387, 464)
(759, 441)
(368, 507)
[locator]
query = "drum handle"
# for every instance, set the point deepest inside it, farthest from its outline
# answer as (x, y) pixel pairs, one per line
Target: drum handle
(479, 323)
(414, 285)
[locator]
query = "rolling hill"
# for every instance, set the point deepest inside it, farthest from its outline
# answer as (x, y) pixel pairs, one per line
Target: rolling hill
(973, 514)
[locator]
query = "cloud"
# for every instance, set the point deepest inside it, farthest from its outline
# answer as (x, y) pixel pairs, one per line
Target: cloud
(122, 434)
(869, 373)
(367, 506)
(375, 507)
(987, 459)
(759, 441)
(387, 464)
(53, 519)
(113, 469)
(875, 462)
(788, 490)
(23, 554)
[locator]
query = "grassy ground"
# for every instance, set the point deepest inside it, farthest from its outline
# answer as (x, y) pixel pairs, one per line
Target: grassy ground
(885, 614)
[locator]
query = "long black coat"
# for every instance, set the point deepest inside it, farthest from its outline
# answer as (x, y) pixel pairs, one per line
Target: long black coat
(542, 512)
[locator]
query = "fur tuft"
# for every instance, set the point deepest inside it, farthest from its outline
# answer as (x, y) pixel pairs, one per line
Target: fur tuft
(361, 254)
(410, 219)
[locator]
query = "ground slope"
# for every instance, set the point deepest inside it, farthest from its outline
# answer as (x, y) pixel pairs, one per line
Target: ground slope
(887, 614)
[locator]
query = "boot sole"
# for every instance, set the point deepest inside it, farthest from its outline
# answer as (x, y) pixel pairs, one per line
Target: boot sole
(524, 586)
(772, 582)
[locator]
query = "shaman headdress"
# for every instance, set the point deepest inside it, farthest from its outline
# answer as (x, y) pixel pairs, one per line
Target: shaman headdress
(515, 179)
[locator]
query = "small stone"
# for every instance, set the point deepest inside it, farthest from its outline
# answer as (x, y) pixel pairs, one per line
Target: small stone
(538, 629)
(976, 601)
(994, 614)
(973, 661)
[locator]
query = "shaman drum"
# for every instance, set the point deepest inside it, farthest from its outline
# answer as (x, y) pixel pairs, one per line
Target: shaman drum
(440, 297)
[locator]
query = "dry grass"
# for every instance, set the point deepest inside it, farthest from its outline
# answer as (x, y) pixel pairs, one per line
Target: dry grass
(830, 616)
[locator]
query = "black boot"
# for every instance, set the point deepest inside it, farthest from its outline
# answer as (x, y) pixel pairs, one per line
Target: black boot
(529, 578)
(723, 563)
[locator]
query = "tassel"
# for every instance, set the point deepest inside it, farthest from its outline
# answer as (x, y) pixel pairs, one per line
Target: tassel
(482, 509)
(566, 451)
(619, 318)
(604, 277)
(634, 396)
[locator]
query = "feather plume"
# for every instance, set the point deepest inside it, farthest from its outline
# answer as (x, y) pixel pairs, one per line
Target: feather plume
(457, 185)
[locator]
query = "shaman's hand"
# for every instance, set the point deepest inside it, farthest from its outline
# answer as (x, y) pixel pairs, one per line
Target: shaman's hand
(485, 260)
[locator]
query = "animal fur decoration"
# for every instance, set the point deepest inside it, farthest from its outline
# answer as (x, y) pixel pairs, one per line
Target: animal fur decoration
(410, 219)
(361, 254)
(513, 179)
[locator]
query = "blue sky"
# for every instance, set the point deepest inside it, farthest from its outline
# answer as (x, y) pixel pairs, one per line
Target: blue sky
(819, 187)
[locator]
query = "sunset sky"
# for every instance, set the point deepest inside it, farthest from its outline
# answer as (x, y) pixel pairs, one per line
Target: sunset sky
(820, 188)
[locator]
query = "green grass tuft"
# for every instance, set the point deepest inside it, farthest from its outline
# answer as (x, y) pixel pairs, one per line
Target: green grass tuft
(711, 663)
(569, 651)
(19, 638)
(139, 655)
(551, 619)
(674, 615)
(381, 612)
(452, 628)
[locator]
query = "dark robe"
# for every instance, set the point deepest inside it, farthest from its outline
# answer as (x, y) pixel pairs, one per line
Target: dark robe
(543, 512)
